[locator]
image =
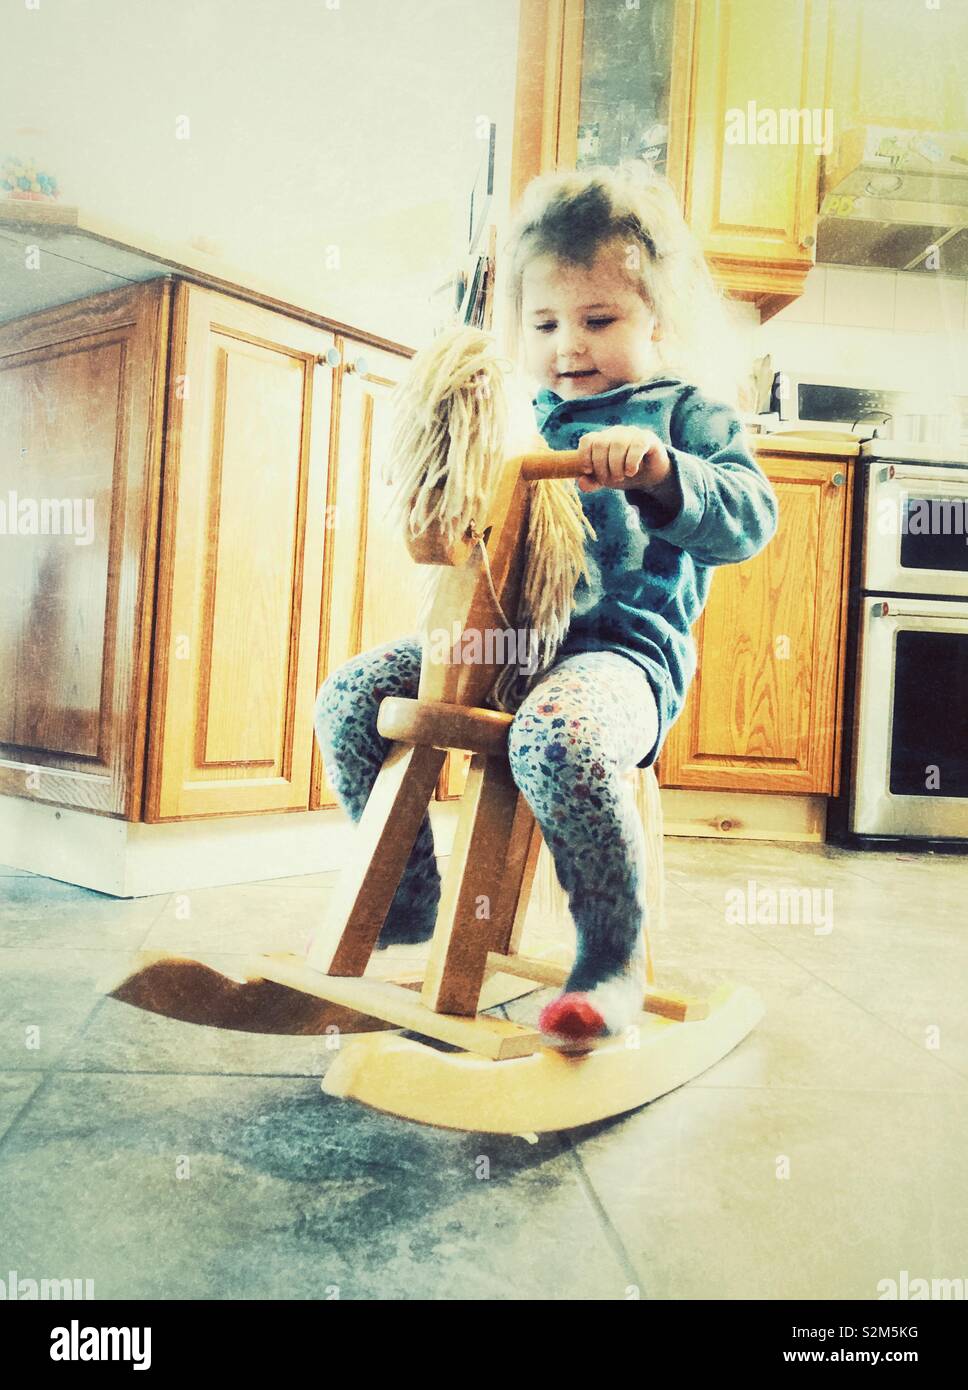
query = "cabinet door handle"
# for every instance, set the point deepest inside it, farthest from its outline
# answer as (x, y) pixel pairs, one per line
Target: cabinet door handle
(359, 365)
(837, 480)
(330, 358)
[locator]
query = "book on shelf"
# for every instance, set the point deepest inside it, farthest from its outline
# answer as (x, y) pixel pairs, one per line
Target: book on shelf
(467, 297)
(478, 304)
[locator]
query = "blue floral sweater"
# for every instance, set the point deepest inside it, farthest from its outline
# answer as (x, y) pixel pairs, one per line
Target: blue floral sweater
(649, 581)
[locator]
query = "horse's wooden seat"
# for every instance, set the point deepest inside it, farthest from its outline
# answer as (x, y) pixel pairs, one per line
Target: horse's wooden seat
(437, 724)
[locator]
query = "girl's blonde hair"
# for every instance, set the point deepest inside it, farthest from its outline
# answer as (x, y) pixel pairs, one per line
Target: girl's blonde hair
(571, 215)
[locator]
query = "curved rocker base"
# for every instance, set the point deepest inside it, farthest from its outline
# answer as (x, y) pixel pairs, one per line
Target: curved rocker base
(548, 1090)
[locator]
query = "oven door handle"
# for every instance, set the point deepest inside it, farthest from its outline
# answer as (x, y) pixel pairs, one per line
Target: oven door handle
(893, 474)
(892, 609)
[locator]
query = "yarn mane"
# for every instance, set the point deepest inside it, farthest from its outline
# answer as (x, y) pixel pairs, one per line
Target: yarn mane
(454, 428)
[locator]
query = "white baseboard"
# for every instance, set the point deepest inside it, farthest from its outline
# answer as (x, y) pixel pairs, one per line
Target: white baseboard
(131, 860)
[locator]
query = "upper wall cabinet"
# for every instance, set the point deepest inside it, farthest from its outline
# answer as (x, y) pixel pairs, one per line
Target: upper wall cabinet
(725, 97)
(625, 86)
(757, 130)
(899, 63)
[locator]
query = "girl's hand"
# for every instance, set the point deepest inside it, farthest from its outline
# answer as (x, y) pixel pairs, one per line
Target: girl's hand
(625, 457)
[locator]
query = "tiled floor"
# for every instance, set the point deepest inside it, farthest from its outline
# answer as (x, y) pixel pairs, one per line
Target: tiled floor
(827, 1153)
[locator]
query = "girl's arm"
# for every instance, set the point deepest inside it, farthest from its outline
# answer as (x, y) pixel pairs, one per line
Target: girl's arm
(727, 510)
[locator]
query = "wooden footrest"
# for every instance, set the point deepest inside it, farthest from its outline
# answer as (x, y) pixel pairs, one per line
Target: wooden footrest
(679, 1007)
(494, 1038)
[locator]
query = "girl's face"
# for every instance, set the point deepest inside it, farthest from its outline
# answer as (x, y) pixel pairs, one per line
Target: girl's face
(586, 329)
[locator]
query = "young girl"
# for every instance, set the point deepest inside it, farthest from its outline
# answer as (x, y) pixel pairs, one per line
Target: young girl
(614, 306)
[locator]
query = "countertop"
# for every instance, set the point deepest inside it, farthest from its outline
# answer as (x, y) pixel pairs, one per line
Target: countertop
(803, 444)
(83, 255)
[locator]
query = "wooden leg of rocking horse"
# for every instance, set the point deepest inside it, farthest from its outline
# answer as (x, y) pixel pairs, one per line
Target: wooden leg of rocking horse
(522, 861)
(385, 835)
(474, 905)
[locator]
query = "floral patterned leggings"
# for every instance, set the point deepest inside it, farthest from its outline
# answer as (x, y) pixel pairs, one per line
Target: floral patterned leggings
(588, 720)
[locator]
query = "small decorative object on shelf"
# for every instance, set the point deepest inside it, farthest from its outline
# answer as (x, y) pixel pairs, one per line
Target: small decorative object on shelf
(21, 178)
(589, 143)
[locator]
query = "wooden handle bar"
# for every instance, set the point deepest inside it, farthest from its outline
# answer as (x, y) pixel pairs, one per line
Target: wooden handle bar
(561, 463)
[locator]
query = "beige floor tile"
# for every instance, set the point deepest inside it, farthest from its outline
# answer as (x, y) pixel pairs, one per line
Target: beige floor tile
(695, 933)
(45, 914)
(694, 1187)
(927, 1006)
(811, 1037)
(16, 1089)
(239, 919)
(814, 1036)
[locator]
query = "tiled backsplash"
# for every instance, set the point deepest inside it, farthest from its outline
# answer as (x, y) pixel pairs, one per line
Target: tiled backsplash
(893, 329)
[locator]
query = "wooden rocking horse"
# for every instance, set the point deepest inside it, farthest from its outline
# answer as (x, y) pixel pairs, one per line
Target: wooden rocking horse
(461, 1068)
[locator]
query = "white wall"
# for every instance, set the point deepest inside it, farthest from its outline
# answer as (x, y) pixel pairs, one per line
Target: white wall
(313, 123)
(900, 331)
(352, 123)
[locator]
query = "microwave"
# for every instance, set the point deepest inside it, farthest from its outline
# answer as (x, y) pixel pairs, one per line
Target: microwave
(817, 401)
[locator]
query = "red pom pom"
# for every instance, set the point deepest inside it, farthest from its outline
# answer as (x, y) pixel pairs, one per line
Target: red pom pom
(573, 1016)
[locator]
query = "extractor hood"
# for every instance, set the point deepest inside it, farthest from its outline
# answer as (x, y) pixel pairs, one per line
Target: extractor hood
(896, 199)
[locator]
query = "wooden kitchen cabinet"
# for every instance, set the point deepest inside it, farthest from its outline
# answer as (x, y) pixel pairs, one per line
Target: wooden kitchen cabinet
(164, 666)
(453, 775)
(240, 563)
(599, 82)
(596, 80)
(81, 398)
(371, 585)
(763, 712)
(895, 63)
(754, 206)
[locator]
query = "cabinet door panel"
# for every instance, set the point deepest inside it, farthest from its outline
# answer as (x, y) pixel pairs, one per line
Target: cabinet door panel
(81, 392)
(387, 602)
(243, 534)
(372, 591)
(894, 63)
(753, 185)
(762, 712)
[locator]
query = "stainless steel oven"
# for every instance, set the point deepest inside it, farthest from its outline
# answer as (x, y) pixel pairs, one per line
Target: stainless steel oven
(906, 740)
(910, 774)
